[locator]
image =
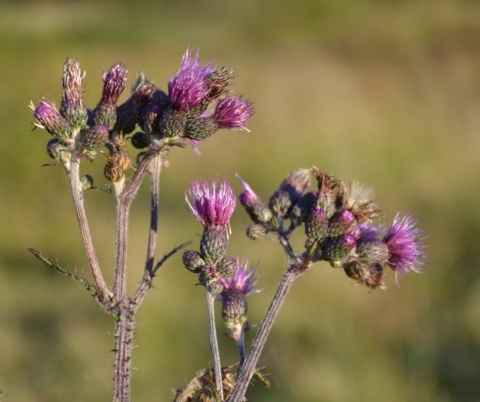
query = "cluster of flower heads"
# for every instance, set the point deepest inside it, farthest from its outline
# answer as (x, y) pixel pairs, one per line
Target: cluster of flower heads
(337, 219)
(196, 105)
(212, 204)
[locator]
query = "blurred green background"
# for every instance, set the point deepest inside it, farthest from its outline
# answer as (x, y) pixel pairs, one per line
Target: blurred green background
(385, 92)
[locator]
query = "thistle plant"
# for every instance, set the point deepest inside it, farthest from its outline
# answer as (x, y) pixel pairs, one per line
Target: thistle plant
(335, 217)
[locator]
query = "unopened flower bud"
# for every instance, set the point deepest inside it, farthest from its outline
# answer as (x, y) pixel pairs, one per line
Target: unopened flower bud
(140, 140)
(193, 261)
(340, 222)
(369, 275)
(87, 182)
(280, 203)
(58, 150)
(129, 113)
(256, 231)
(290, 191)
(316, 225)
(300, 212)
(200, 128)
(94, 138)
(214, 243)
(172, 124)
(334, 249)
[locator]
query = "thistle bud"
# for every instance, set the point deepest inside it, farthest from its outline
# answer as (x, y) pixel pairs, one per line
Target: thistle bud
(258, 211)
(218, 81)
(114, 81)
(280, 203)
(140, 140)
(290, 191)
(316, 225)
(340, 222)
(256, 231)
(200, 128)
(369, 275)
(302, 209)
(214, 243)
(193, 261)
(94, 138)
(334, 249)
(72, 107)
(87, 182)
(50, 119)
(234, 301)
(129, 113)
(172, 124)
(58, 150)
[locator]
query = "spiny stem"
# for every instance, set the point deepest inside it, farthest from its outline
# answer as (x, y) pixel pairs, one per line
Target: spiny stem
(217, 366)
(77, 194)
(248, 368)
(155, 170)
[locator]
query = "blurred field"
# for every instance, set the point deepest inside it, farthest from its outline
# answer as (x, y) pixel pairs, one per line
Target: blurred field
(384, 92)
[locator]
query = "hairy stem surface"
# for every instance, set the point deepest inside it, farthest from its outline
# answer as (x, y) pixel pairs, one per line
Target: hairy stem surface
(249, 366)
(217, 365)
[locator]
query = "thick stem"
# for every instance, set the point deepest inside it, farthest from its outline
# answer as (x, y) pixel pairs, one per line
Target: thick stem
(120, 279)
(124, 331)
(77, 194)
(217, 365)
(249, 366)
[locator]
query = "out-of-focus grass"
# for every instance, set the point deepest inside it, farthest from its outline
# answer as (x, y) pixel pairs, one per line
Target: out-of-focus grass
(384, 92)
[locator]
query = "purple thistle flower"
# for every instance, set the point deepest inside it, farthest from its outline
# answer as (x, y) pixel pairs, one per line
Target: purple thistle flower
(114, 82)
(253, 204)
(242, 281)
(189, 87)
(211, 203)
(233, 113)
(366, 233)
(234, 302)
(402, 240)
(72, 107)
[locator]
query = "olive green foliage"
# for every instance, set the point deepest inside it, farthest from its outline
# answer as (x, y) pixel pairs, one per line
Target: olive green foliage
(385, 92)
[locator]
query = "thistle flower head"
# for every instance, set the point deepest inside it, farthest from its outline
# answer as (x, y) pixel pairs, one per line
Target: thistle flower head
(49, 118)
(72, 107)
(253, 204)
(233, 113)
(189, 87)
(210, 202)
(243, 280)
(402, 240)
(114, 82)
(234, 301)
